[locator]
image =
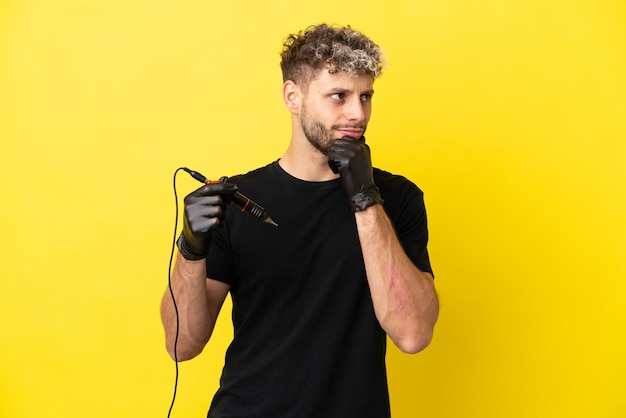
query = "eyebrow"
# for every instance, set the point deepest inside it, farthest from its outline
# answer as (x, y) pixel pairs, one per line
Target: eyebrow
(334, 90)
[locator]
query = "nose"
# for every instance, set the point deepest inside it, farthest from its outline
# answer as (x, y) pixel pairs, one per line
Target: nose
(355, 110)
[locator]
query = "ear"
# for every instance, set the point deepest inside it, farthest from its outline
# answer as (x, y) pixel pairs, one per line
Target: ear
(292, 96)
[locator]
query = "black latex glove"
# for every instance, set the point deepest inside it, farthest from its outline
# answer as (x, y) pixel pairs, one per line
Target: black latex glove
(204, 212)
(351, 159)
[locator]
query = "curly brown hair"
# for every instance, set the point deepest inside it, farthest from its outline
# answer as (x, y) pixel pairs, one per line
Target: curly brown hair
(336, 48)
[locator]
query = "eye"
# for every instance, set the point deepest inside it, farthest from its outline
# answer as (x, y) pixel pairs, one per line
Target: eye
(337, 96)
(366, 98)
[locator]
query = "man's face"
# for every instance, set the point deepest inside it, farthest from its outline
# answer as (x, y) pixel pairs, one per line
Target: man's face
(334, 106)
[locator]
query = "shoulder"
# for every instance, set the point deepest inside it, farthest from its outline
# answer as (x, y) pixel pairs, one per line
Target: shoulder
(256, 176)
(402, 199)
(395, 183)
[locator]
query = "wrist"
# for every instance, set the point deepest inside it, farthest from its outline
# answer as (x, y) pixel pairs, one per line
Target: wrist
(363, 200)
(186, 250)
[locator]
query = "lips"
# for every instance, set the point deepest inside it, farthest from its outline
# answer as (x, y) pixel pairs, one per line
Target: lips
(351, 133)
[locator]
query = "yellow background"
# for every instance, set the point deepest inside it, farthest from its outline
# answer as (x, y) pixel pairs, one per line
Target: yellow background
(511, 116)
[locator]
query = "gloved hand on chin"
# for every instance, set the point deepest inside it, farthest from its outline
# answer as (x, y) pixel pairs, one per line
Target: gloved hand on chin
(351, 159)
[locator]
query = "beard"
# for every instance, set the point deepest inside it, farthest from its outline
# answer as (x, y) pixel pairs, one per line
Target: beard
(317, 134)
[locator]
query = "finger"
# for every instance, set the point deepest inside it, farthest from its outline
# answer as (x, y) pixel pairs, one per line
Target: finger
(340, 145)
(199, 213)
(229, 188)
(204, 225)
(347, 148)
(194, 200)
(212, 189)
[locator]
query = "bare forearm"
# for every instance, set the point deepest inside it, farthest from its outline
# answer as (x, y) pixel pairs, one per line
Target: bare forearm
(194, 324)
(404, 298)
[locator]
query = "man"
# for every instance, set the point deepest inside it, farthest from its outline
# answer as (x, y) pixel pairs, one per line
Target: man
(315, 297)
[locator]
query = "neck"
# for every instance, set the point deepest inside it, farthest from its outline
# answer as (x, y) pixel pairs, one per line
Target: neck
(304, 162)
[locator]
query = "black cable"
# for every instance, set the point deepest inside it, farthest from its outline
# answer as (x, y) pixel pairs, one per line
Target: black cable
(169, 283)
(239, 201)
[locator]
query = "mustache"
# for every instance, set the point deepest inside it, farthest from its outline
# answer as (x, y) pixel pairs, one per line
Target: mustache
(349, 127)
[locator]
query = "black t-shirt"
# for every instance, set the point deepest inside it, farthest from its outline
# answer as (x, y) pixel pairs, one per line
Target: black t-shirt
(306, 340)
